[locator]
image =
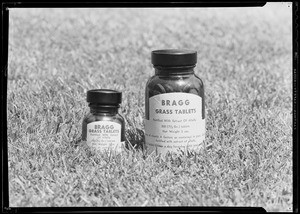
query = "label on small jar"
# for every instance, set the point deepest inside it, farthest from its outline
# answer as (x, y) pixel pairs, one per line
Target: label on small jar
(175, 123)
(104, 135)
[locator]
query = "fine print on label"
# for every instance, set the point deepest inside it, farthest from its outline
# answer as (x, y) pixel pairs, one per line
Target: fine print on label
(104, 136)
(175, 123)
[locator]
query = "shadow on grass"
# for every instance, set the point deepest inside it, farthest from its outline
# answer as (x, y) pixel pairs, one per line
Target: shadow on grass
(135, 139)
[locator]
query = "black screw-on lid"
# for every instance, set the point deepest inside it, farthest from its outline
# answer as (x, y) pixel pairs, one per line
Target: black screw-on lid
(104, 96)
(173, 57)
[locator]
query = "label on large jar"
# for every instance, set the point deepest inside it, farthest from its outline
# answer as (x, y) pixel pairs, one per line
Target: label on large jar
(104, 136)
(175, 123)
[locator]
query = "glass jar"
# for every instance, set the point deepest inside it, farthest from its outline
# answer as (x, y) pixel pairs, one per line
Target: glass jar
(174, 105)
(104, 128)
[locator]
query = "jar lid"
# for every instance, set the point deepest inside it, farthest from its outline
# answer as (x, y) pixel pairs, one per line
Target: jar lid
(174, 57)
(104, 96)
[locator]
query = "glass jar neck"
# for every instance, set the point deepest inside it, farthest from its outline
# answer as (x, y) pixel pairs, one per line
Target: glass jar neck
(103, 109)
(174, 71)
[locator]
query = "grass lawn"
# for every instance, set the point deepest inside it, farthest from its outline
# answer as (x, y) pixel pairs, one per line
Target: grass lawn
(244, 60)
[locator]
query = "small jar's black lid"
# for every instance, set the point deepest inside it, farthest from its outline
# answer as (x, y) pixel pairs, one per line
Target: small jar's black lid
(174, 57)
(104, 96)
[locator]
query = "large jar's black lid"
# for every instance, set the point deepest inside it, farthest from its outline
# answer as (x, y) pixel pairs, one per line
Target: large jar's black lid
(173, 57)
(104, 96)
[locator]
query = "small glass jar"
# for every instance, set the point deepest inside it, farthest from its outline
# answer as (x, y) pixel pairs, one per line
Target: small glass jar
(104, 128)
(174, 105)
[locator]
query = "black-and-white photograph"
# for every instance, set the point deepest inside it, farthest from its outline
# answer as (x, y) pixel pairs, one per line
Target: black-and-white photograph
(153, 106)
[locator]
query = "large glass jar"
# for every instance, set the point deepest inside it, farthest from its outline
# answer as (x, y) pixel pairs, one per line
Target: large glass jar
(174, 105)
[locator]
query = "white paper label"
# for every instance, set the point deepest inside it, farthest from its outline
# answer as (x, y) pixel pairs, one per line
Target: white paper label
(175, 123)
(104, 135)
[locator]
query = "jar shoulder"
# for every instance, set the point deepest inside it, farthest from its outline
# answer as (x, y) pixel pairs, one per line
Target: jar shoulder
(120, 118)
(179, 83)
(199, 81)
(89, 118)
